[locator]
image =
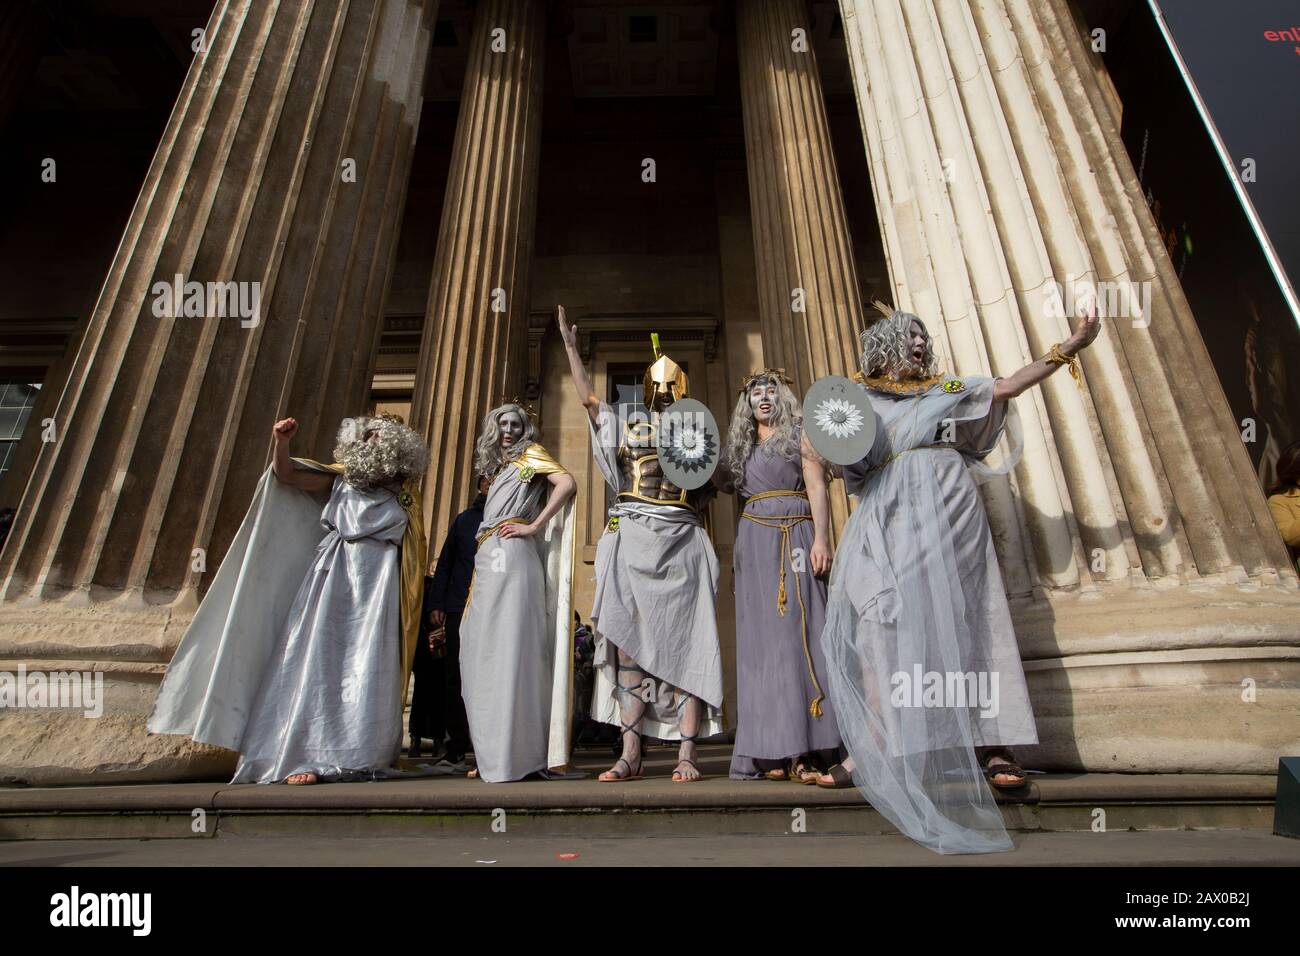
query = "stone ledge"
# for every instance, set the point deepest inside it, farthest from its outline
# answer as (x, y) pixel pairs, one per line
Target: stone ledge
(457, 794)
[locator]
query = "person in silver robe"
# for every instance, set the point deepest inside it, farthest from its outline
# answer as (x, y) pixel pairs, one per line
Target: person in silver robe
(309, 685)
(516, 656)
(785, 724)
(658, 663)
(924, 668)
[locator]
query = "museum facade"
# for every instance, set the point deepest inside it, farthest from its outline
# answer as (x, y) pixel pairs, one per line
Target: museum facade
(393, 195)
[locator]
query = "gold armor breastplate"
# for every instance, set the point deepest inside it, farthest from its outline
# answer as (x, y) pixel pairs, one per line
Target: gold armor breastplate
(643, 476)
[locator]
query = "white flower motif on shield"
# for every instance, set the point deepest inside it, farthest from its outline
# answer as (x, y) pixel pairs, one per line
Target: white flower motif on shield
(838, 418)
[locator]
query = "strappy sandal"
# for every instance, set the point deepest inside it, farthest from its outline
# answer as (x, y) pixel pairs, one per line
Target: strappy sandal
(625, 762)
(1010, 768)
(841, 779)
(677, 774)
(801, 772)
(779, 774)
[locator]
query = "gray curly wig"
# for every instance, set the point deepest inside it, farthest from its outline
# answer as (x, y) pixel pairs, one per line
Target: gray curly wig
(489, 456)
(742, 434)
(886, 345)
(397, 453)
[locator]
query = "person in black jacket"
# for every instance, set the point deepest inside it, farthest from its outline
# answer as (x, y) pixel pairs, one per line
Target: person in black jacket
(436, 704)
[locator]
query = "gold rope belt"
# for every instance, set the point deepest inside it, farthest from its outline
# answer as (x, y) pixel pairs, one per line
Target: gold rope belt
(481, 538)
(784, 523)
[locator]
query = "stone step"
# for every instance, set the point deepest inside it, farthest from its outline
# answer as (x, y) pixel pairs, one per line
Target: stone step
(451, 804)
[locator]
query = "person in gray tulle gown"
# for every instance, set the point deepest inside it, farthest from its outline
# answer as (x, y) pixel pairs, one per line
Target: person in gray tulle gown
(925, 673)
(658, 661)
(508, 652)
(785, 723)
(309, 684)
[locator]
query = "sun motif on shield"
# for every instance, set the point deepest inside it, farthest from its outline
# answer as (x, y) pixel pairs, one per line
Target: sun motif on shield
(838, 418)
(689, 447)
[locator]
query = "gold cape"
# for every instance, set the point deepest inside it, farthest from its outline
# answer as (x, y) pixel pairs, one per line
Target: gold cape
(415, 548)
(540, 460)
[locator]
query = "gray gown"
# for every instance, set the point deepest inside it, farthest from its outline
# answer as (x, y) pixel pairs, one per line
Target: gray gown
(922, 657)
(775, 652)
(656, 597)
(330, 701)
(506, 653)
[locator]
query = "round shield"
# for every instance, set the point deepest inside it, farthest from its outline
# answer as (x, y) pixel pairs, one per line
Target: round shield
(839, 420)
(689, 444)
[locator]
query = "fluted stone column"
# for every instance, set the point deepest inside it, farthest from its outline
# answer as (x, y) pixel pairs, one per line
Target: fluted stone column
(162, 430)
(801, 234)
(476, 324)
(1153, 582)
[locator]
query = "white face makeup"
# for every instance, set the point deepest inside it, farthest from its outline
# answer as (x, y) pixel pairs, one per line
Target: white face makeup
(511, 425)
(916, 342)
(763, 399)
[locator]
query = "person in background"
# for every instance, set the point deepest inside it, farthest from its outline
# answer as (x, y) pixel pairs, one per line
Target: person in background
(444, 604)
(1284, 497)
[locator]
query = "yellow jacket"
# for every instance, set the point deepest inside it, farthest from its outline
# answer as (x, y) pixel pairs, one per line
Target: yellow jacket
(1286, 513)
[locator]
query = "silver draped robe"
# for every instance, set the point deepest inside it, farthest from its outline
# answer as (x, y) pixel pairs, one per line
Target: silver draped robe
(922, 659)
(516, 638)
(311, 685)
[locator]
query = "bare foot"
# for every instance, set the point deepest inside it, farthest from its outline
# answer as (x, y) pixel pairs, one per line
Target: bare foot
(473, 774)
(301, 779)
(622, 770)
(686, 771)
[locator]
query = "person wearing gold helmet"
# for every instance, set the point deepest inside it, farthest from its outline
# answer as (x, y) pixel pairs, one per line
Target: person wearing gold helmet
(658, 664)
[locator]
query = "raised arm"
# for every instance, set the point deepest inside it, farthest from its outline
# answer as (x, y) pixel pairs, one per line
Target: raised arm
(581, 380)
(1038, 370)
(282, 465)
(814, 479)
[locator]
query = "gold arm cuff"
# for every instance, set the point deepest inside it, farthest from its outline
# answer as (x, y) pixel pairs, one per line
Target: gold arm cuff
(1057, 356)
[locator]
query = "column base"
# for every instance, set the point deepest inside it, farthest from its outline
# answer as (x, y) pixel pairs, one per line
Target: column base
(1190, 679)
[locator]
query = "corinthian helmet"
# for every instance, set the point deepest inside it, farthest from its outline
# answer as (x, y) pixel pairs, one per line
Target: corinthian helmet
(664, 377)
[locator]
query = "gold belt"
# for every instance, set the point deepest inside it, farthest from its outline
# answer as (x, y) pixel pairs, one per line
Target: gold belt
(875, 468)
(481, 538)
(784, 523)
(633, 496)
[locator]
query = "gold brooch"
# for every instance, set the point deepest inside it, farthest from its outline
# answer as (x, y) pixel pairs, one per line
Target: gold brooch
(613, 524)
(526, 473)
(953, 386)
(406, 499)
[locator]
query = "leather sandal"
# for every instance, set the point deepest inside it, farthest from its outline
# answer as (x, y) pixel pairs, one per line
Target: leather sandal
(677, 774)
(841, 779)
(625, 762)
(1011, 768)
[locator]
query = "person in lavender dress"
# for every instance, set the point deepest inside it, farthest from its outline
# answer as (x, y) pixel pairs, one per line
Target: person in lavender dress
(786, 725)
